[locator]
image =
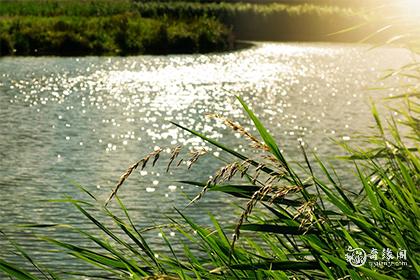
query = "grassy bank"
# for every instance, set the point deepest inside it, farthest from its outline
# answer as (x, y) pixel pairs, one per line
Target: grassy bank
(177, 8)
(127, 27)
(285, 22)
(120, 34)
(103, 28)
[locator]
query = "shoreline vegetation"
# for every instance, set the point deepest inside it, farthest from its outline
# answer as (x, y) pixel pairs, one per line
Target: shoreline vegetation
(104, 27)
(124, 34)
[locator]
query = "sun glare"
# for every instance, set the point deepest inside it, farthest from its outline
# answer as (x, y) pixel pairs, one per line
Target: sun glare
(411, 8)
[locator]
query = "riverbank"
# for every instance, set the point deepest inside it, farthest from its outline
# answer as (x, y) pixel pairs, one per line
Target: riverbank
(126, 27)
(122, 34)
(272, 21)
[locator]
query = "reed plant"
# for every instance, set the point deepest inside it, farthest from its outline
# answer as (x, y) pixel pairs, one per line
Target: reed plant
(302, 224)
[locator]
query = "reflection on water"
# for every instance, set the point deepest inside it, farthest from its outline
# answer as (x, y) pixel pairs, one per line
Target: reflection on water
(87, 119)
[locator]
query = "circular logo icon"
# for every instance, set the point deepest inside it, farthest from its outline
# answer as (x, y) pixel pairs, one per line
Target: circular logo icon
(356, 256)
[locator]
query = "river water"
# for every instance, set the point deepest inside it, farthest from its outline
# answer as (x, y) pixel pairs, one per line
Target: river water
(85, 120)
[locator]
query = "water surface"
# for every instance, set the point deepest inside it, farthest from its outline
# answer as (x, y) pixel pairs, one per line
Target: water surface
(87, 119)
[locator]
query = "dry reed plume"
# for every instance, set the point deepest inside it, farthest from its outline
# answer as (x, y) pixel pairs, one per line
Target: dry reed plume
(255, 143)
(143, 162)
